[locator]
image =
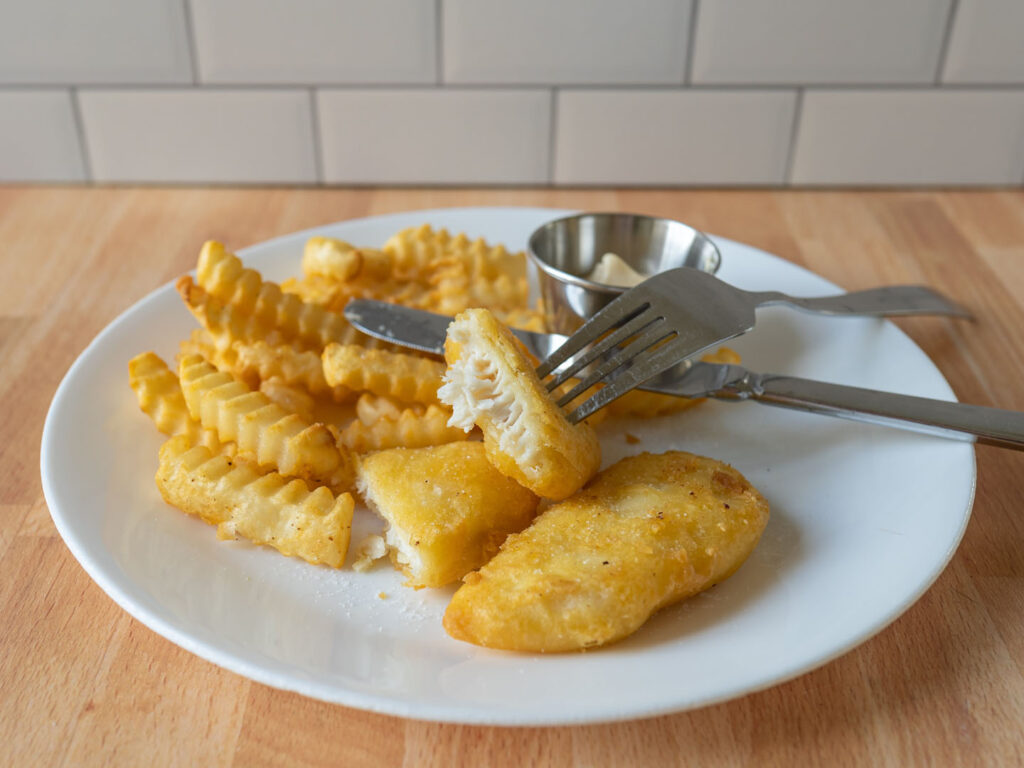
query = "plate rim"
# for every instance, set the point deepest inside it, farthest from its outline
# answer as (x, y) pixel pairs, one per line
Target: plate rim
(444, 712)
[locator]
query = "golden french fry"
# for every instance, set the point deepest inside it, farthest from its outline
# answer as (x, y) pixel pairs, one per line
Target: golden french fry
(223, 276)
(258, 361)
(344, 263)
(647, 532)
(292, 399)
(159, 393)
(446, 507)
(370, 408)
(235, 496)
(392, 374)
(264, 431)
(411, 428)
(224, 323)
(491, 383)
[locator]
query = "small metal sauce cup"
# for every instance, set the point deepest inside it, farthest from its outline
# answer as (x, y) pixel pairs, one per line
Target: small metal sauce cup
(566, 250)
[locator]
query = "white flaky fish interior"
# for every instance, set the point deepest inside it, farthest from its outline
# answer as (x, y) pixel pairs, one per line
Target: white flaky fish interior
(397, 541)
(478, 389)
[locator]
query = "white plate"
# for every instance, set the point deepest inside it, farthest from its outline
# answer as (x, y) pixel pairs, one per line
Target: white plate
(863, 520)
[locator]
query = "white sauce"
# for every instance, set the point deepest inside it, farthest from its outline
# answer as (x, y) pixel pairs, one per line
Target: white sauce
(613, 270)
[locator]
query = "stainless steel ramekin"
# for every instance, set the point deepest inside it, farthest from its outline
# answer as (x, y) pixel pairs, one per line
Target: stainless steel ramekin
(566, 250)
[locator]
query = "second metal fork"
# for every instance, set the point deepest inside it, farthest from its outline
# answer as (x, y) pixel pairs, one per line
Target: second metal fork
(682, 312)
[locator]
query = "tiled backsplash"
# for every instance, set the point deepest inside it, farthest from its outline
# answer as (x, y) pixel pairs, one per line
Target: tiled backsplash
(533, 92)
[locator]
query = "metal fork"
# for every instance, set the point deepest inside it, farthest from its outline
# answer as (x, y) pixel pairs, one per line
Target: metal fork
(682, 312)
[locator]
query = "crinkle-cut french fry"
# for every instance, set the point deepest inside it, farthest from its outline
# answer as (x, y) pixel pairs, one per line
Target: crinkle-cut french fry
(159, 393)
(524, 319)
(414, 250)
(371, 407)
(291, 398)
(222, 275)
(263, 508)
(420, 249)
(315, 290)
(344, 263)
(334, 296)
(411, 429)
(199, 342)
(641, 404)
(258, 361)
(225, 323)
(394, 374)
(457, 288)
(264, 431)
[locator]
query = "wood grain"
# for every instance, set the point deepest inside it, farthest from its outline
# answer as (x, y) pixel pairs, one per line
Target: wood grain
(84, 684)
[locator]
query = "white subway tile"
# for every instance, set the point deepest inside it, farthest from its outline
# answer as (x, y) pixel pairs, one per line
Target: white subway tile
(819, 41)
(570, 41)
(199, 135)
(435, 136)
(38, 139)
(910, 137)
(673, 137)
(99, 41)
(316, 41)
(987, 43)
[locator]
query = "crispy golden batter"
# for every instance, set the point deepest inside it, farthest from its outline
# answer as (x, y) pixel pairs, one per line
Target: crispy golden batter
(265, 508)
(647, 532)
(447, 508)
(644, 404)
(491, 383)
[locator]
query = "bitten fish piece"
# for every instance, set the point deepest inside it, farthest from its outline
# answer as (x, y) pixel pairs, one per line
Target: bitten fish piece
(648, 531)
(447, 508)
(491, 383)
(264, 508)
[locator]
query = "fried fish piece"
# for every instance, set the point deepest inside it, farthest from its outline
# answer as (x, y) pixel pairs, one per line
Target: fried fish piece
(648, 531)
(447, 508)
(491, 383)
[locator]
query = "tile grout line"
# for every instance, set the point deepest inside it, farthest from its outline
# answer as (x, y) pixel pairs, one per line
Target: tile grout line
(190, 33)
(691, 41)
(947, 35)
(649, 87)
(76, 114)
(318, 152)
(798, 111)
(439, 41)
(552, 136)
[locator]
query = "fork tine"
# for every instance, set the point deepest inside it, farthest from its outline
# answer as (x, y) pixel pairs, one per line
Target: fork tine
(619, 311)
(644, 366)
(613, 339)
(653, 334)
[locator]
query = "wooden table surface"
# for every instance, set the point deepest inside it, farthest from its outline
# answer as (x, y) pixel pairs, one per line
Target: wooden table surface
(84, 684)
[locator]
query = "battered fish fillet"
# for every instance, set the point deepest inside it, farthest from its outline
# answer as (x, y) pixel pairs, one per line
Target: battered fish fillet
(491, 383)
(447, 508)
(647, 532)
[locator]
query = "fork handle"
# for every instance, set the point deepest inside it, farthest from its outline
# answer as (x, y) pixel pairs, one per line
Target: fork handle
(888, 301)
(975, 423)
